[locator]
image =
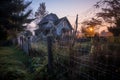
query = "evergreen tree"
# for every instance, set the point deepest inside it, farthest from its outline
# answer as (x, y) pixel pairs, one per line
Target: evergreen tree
(12, 16)
(41, 12)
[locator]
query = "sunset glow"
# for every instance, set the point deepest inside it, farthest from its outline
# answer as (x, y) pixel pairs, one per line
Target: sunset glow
(91, 29)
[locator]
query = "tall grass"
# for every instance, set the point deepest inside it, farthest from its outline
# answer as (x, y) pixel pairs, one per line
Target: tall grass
(13, 64)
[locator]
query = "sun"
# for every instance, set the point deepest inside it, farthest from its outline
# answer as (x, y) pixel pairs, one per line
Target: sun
(91, 29)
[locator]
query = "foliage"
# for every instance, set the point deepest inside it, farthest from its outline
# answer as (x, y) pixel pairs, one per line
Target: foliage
(60, 52)
(40, 47)
(110, 13)
(12, 16)
(108, 54)
(114, 30)
(41, 12)
(92, 22)
(37, 63)
(13, 64)
(114, 40)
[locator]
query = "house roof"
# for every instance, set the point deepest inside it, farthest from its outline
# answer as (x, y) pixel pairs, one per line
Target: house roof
(49, 17)
(65, 19)
(54, 18)
(43, 25)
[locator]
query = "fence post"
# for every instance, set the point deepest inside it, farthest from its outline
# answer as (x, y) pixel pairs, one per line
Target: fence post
(22, 40)
(50, 55)
(29, 46)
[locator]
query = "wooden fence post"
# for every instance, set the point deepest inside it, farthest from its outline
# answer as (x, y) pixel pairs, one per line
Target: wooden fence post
(22, 42)
(50, 55)
(29, 46)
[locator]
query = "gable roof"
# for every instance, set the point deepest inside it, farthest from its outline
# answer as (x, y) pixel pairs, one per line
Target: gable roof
(63, 19)
(49, 17)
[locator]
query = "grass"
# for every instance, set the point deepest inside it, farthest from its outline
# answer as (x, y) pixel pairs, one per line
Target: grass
(13, 64)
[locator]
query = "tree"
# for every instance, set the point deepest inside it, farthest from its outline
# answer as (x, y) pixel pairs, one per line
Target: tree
(110, 13)
(91, 26)
(92, 22)
(13, 15)
(41, 12)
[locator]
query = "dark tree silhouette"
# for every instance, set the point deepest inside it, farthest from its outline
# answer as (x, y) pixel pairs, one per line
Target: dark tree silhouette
(41, 12)
(12, 16)
(110, 13)
(92, 22)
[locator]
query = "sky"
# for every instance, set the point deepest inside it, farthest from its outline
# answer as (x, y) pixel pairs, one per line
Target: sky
(68, 8)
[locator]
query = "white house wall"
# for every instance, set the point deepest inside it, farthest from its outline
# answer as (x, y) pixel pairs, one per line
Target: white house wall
(61, 25)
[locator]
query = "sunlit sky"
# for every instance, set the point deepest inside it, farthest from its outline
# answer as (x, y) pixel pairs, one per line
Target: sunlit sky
(68, 8)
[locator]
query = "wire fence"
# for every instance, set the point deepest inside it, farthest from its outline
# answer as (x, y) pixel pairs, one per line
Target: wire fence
(87, 59)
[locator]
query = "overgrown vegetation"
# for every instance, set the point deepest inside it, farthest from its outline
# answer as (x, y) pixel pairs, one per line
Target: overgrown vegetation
(13, 64)
(69, 63)
(16, 65)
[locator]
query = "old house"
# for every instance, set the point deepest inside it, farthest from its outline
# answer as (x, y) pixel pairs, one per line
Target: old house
(51, 24)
